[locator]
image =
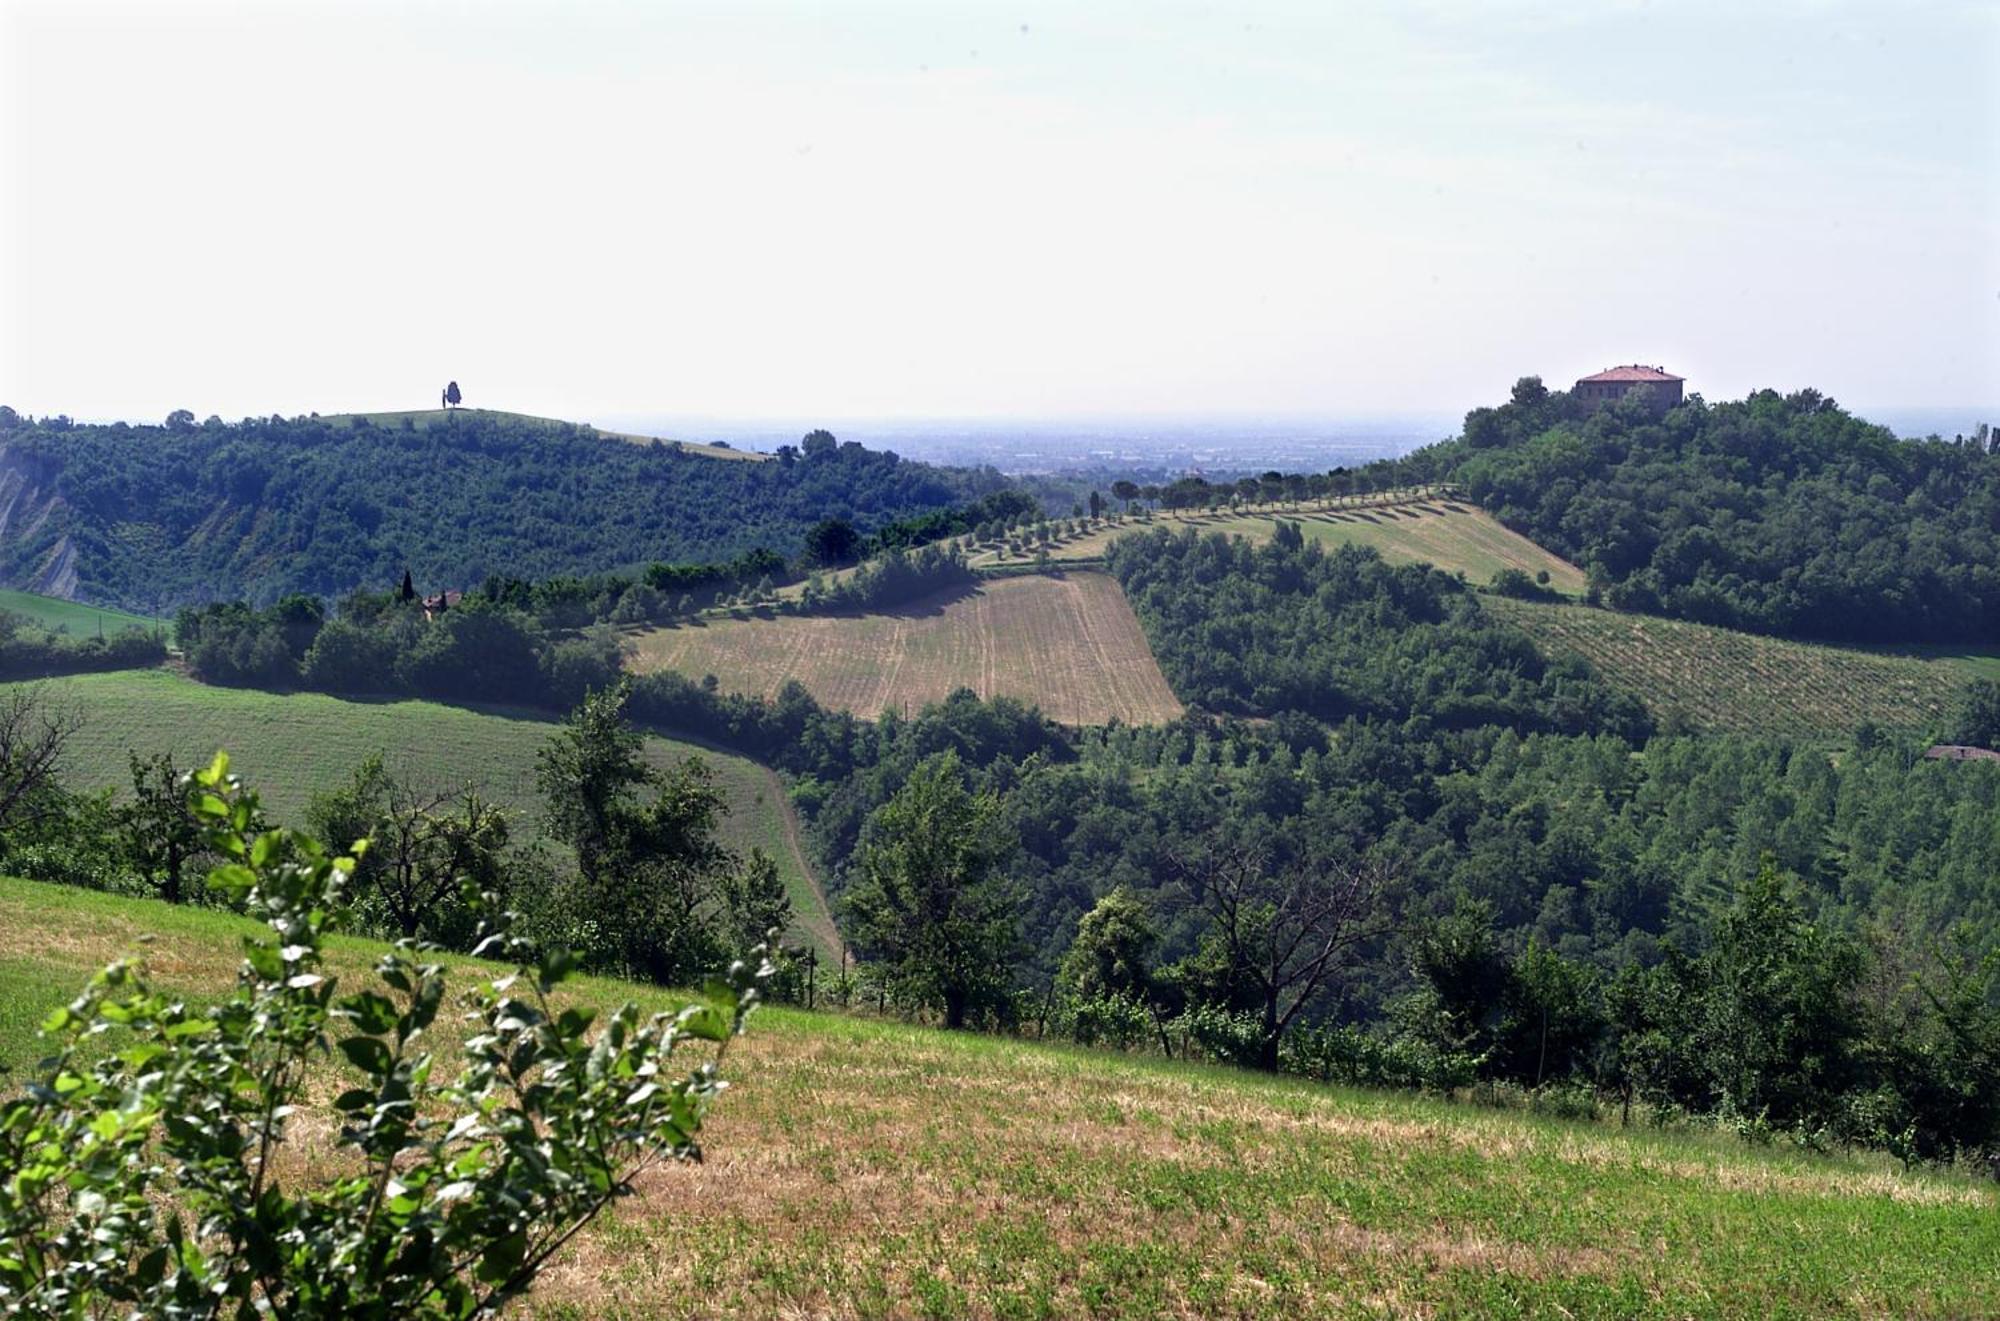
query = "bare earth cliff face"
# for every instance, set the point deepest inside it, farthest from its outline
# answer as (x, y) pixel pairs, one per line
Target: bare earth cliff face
(36, 552)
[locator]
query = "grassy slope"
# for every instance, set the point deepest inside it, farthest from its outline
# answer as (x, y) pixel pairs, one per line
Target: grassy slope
(291, 746)
(425, 418)
(1070, 645)
(1715, 678)
(867, 1169)
(81, 621)
(1455, 536)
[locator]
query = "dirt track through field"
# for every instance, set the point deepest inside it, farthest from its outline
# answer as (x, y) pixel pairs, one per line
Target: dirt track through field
(1070, 645)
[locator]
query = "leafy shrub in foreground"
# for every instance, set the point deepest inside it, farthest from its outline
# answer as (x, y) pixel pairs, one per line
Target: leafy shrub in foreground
(148, 1181)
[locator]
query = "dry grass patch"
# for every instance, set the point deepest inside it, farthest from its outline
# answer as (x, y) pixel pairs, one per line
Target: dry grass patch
(862, 1169)
(1070, 645)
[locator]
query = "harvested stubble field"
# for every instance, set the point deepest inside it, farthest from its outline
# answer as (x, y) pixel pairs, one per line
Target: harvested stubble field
(290, 746)
(1069, 645)
(864, 1169)
(1455, 536)
(1700, 677)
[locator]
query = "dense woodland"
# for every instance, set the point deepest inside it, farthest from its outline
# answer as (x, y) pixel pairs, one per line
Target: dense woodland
(158, 517)
(1777, 514)
(1290, 627)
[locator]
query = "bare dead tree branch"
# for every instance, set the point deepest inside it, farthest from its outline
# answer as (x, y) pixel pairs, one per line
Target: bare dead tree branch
(34, 732)
(1284, 927)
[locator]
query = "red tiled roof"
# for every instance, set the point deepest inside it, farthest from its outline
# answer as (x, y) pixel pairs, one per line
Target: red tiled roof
(1635, 372)
(1960, 752)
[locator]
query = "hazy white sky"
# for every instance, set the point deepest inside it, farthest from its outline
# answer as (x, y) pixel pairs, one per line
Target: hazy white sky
(841, 210)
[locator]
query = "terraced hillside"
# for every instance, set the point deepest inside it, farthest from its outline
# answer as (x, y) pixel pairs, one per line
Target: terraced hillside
(1697, 677)
(1069, 645)
(292, 746)
(858, 1168)
(1455, 536)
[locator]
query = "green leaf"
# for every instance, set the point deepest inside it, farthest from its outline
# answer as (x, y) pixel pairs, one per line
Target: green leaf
(704, 1021)
(555, 967)
(366, 1054)
(372, 1013)
(263, 960)
(502, 1259)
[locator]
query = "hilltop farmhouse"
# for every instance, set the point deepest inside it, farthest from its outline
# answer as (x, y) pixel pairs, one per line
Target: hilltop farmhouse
(1614, 383)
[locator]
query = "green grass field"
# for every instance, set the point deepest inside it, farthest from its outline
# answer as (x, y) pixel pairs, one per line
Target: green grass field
(423, 419)
(1453, 535)
(291, 746)
(71, 617)
(864, 1169)
(1714, 678)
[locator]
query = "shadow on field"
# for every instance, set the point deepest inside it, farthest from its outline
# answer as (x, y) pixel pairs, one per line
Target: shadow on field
(924, 607)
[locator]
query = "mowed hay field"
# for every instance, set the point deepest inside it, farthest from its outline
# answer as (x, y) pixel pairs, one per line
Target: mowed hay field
(72, 617)
(290, 746)
(1070, 645)
(1706, 678)
(1455, 536)
(865, 1169)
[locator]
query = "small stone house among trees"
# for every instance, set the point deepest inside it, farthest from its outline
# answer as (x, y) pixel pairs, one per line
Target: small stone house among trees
(443, 601)
(1614, 383)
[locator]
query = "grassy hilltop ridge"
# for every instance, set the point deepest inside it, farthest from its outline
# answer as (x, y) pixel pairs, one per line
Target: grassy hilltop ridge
(861, 1168)
(424, 419)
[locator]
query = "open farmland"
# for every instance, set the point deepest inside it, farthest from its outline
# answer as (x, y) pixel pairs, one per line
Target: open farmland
(291, 746)
(1454, 536)
(72, 617)
(1699, 677)
(860, 1168)
(1069, 645)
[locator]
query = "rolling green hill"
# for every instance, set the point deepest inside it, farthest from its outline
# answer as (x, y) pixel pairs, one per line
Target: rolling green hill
(153, 518)
(1698, 677)
(1775, 514)
(291, 746)
(864, 1168)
